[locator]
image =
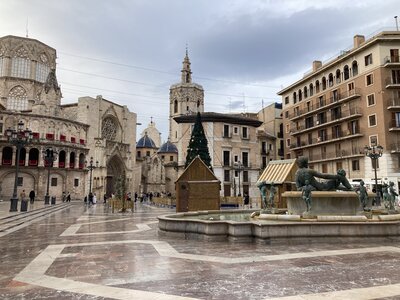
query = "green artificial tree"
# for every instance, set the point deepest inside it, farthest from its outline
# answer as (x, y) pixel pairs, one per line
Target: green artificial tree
(198, 144)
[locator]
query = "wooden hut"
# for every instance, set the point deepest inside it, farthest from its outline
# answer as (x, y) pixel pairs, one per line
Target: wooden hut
(197, 188)
(282, 174)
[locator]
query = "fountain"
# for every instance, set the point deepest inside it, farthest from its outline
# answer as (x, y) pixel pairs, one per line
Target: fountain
(317, 210)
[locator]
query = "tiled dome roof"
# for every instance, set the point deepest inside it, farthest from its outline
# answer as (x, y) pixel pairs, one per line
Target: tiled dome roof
(168, 147)
(146, 142)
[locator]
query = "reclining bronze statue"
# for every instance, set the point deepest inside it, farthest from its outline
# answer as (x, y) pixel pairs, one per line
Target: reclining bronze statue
(334, 181)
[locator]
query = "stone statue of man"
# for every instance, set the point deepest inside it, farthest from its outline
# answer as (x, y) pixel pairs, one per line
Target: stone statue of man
(336, 181)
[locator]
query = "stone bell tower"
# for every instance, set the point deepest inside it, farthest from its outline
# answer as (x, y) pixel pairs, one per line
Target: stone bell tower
(185, 98)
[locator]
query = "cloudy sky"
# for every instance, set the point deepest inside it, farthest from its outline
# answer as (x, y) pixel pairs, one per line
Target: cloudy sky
(242, 52)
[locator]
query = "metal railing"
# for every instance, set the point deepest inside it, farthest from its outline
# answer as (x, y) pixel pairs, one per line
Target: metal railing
(328, 119)
(321, 103)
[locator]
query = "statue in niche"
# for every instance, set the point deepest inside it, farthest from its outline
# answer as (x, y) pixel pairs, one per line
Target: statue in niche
(336, 181)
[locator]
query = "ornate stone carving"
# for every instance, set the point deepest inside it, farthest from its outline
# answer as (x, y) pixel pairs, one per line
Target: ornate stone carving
(108, 129)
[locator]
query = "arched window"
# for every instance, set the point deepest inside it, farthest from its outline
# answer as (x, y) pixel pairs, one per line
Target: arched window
(72, 160)
(21, 64)
(317, 86)
(42, 68)
(7, 156)
(305, 92)
(81, 161)
(294, 97)
(346, 73)
(61, 159)
(354, 67)
(109, 129)
(198, 103)
(323, 83)
(338, 76)
(311, 89)
(175, 106)
(330, 79)
(300, 95)
(22, 157)
(33, 157)
(17, 99)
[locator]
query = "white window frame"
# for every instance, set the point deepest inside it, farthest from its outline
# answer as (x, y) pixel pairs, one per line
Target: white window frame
(376, 120)
(366, 80)
(366, 97)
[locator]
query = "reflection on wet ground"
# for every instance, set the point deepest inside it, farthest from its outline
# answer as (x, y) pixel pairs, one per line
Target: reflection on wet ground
(80, 252)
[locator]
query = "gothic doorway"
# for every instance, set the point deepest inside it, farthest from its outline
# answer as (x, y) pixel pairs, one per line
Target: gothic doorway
(115, 168)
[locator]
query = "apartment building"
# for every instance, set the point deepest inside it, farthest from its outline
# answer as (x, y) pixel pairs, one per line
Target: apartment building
(270, 133)
(339, 107)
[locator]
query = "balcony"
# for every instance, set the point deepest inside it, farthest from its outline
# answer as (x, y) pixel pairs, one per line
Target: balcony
(324, 104)
(6, 162)
(394, 148)
(393, 103)
(337, 155)
(32, 162)
(327, 139)
(391, 82)
(392, 61)
(394, 125)
(331, 119)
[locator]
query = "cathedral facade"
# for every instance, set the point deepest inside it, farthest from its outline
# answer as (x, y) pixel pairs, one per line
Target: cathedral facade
(90, 128)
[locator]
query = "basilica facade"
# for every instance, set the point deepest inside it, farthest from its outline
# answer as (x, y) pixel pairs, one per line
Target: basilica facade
(90, 128)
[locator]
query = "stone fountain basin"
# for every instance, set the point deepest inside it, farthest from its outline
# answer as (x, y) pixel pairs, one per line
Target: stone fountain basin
(235, 225)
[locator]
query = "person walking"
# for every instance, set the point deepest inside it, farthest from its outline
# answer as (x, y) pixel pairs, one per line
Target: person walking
(68, 197)
(24, 202)
(32, 196)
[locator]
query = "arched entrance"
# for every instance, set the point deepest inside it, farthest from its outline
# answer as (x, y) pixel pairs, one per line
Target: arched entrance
(115, 168)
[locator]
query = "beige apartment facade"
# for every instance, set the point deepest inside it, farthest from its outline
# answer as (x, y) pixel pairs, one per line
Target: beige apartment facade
(270, 133)
(341, 106)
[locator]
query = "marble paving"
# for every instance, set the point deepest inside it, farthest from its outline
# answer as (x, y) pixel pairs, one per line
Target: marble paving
(89, 253)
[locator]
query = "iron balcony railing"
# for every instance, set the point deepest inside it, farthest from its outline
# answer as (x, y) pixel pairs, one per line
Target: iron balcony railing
(336, 154)
(327, 120)
(320, 103)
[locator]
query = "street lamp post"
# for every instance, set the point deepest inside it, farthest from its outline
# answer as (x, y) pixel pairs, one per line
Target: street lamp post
(374, 152)
(18, 137)
(239, 167)
(90, 167)
(50, 156)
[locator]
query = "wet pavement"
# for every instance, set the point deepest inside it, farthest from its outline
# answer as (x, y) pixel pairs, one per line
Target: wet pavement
(80, 252)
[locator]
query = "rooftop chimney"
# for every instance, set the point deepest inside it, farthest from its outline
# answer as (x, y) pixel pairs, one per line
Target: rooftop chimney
(358, 40)
(316, 64)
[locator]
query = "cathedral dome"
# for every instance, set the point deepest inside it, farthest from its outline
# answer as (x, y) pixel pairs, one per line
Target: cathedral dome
(168, 147)
(146, 142)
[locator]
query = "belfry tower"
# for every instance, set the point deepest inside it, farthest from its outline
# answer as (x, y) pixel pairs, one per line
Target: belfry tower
(185, 98)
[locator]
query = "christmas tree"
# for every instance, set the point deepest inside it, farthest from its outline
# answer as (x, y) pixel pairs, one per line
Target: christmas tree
(198, 144)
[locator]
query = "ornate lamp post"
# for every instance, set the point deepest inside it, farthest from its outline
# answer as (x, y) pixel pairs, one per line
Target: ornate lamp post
(90, 167)
(374, 152)
(18, 137)
(238, 167)
(49, 156)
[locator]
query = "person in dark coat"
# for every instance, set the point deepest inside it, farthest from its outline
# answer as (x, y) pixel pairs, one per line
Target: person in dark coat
(32, 196)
